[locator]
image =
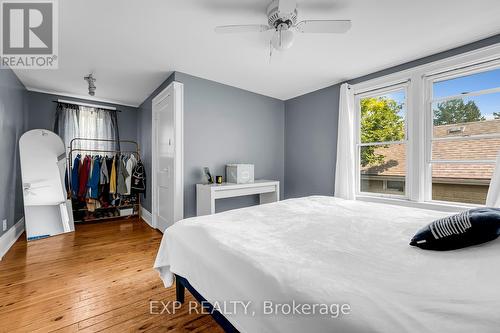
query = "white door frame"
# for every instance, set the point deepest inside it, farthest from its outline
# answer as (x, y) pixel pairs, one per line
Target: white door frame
(177, 89)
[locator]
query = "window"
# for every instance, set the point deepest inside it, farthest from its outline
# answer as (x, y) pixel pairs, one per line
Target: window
(430, 134)
(382, 142)
(465, 136)
(77, 121)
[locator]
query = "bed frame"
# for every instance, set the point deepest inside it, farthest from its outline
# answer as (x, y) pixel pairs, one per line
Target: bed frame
(181, 284)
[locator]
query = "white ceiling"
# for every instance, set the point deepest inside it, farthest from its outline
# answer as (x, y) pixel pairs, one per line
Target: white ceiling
(132, 46)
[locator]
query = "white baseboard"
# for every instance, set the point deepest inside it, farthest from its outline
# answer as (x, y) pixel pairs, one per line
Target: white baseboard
(147, 216)
(10, 237)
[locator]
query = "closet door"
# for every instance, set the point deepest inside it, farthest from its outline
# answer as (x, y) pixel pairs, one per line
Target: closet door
(167, 159)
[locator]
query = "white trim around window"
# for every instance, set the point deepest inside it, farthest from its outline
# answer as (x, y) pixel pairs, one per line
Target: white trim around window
(377, 93)
(418, 84)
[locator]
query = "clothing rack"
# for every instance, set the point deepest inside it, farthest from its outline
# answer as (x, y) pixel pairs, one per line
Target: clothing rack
(74, 149)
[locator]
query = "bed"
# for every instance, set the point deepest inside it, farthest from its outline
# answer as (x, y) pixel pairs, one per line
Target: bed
(325, 250)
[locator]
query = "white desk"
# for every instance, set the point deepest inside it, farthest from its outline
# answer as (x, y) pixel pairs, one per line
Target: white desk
(206, 194)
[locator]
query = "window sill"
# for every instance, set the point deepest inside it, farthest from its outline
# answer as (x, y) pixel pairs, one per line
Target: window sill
(435, 205)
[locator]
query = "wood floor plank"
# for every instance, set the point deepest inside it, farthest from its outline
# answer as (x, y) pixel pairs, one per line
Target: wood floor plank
(59, 315)
(97, 279)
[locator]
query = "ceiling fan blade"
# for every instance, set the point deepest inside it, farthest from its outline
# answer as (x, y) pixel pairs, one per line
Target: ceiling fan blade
(286, 7)
(232, 29)
(324, 26)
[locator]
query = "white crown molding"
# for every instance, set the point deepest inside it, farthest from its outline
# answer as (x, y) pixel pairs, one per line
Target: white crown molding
(84, 97)
(10, 237)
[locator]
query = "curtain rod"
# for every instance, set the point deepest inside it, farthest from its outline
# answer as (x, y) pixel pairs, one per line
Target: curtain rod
(97, 106)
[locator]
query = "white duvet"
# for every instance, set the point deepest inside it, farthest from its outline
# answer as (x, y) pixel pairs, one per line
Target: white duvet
(325, 250)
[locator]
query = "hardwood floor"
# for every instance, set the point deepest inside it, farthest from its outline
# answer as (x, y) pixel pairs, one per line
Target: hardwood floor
(99, 278)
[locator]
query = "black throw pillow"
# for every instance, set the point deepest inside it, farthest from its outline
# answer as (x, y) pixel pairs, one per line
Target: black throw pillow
(471, 227)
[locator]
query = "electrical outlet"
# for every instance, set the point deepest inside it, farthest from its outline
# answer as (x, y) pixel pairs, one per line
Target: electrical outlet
(4, 225)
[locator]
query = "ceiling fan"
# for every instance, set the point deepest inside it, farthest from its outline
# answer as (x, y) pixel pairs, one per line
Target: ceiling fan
(282, 21)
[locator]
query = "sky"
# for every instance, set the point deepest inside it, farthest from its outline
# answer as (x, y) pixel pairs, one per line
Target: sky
(488, 103)
(480, 81)
(399, 97)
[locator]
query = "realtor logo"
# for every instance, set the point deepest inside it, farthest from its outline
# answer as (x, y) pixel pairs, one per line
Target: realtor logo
(29, 34)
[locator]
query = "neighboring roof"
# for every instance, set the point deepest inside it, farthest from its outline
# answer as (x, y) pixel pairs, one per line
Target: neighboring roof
(477, 149)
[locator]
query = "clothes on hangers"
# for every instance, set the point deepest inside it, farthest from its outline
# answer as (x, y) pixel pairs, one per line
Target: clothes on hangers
(104, 177)
(109, 165)
(138, 183)
(84, 177)
(122, 174)
(104, 196)
(90, 176)
(112, 179)
(130, 165)
(93, 178)
(75, 175)
(93, 183)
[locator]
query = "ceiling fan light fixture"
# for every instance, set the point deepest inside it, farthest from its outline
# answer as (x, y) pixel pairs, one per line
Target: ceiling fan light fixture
(282, 39)
(282, 19)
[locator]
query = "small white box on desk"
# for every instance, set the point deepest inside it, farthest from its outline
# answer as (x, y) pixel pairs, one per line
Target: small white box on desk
(240, 173)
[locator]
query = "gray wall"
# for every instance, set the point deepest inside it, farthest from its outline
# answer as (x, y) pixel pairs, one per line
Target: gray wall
(42, 111)
(13, 123)
(312, 118)
(311, 143)
(223, 124)
(435, 57)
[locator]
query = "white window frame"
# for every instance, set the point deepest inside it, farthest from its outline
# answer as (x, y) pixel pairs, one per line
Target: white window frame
(419, 119)
(378, 93)
(429, 120)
